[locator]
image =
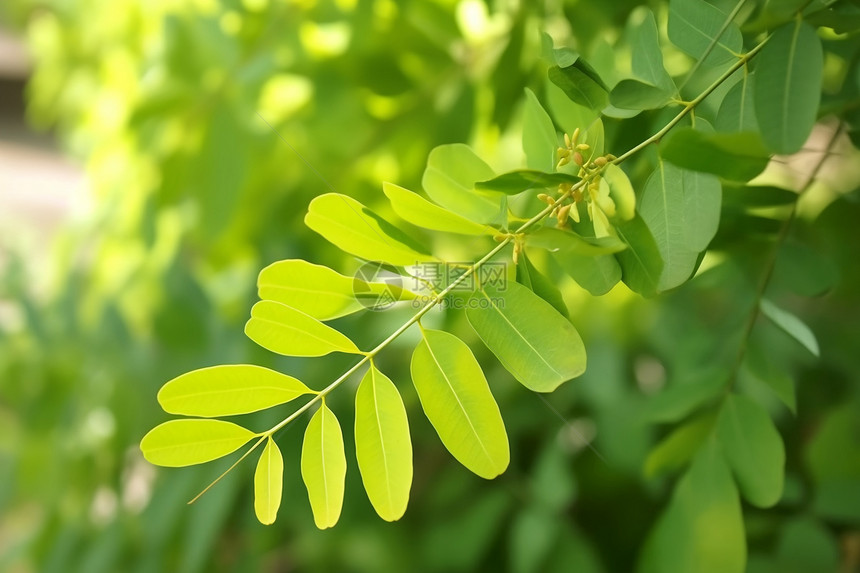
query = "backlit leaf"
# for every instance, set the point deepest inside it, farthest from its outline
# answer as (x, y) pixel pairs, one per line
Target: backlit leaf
(595, 273)
(279, 328)
(456, 398)
(540, 140)
(792, 325)
(450, 177)
(268, 483)
(382, 444)
(324, 466)
(179, 443)
(621, 191)
(228, 390)
(753, 448)
(317, 290)
(354, 228)
(415, 209)
(536, 344)
(787, 86)
(579, 86)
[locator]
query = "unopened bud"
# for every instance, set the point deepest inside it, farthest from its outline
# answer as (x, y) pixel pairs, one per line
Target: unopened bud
(499, 237)
(574, 138)
(563, 214)
(600, 161)
(566, 140)
(577, 158)
(583, 147)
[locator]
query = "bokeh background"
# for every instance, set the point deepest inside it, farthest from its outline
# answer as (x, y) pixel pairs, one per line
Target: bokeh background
(154, 156)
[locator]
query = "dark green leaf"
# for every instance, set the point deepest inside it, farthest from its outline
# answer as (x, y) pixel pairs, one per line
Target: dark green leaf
(518, 181)
(529, 276)
(580, 86)
(694, 25)
(641, 264)
(733, 156)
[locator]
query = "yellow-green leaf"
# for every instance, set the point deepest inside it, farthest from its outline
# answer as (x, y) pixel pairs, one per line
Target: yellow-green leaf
(530, 338)
(228, 390)
(324, 467)
(317, 290)
(179, 443)
(382, 444)
(268, 483)
(457, 400)
(357, 230)
(449, 180)
(290, 332)
(415, 209)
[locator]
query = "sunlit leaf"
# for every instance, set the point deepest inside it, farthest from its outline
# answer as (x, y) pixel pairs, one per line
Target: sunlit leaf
(753, 448)
(450, 177)
(228, 390)
(456, 398)
(268, 483)
(540, 140)
(529, 276)
(621, 191)
(787, 86)
(179, 443)
(279, 328)
(792, 326)
(324, 466)
(354, 228)
(317, 290)
(382, 444)
(417, 210)
(733, 156)
(535, 343)
(515, 182)
(695, 24)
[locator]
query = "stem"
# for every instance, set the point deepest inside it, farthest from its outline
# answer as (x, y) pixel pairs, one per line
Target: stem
(770, 264)
(472, 269)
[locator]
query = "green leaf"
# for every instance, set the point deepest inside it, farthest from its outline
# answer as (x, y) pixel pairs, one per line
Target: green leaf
(540, 140)
(758, 365)
(324, 467)
(753, 448)
(639, 95)
(792, 326)
(415, 209)
(695, 24)
(682, 210)
(621, 191)
(456, 398)
(228, 390)
(641, 264)
(595, 273)
(579, 86)
(702, 530)
(449, 180)
(317, 290)
(733, 156)
(565, 241)
(518, 181)
(737, 112)
(382, 444)
(757, 195)
(787, 91)
(268, 483)
(678, 447)
(529, 276)
(180, 443)
(536, 344)
(279, 328)
(357, 230)
(647, 58)
(681, 399)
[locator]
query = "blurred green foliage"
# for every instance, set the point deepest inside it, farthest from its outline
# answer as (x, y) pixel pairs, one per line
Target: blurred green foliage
(206, 129)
